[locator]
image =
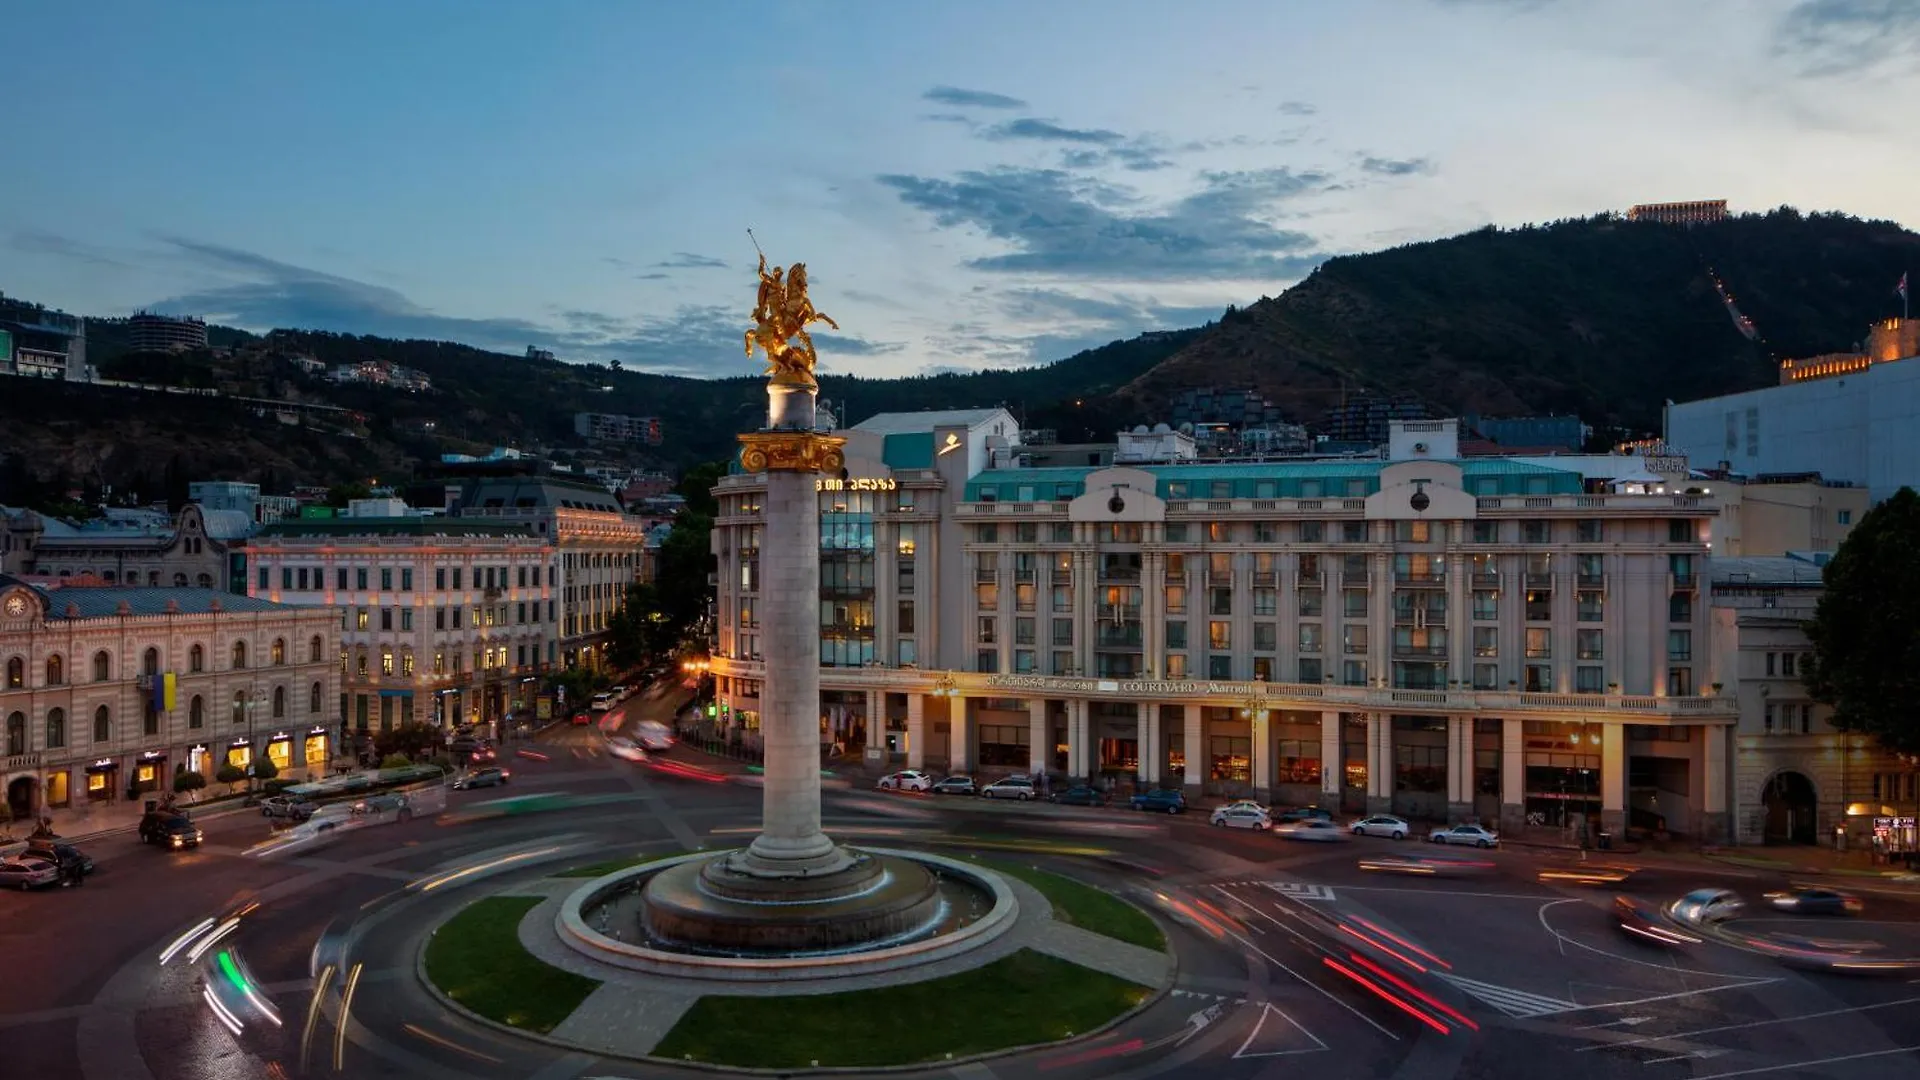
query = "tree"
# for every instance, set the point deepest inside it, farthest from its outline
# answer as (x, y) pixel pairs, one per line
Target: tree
(230, 774)
(410, 741)
(185, 780)
(339, 495)
(395, 761)
(1866, 629)
(265, 769)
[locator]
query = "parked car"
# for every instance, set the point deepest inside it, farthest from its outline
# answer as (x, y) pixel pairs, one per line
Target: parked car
(1163, 800)
(1080, 795)
(286, 807)
(1010, 787)
(170, 830)
(1247, 804)
(1241, 817)
(956, 785)
(1319, 829)
(25, 872)
(905, 780)
(1471, 835)
(479, 778)
(1816, 902)
(1302, 813)
(1707, 906)
(60, 853)
(1386, 825)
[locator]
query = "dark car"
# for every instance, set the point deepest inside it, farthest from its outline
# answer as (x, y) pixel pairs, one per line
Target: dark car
(1163, 800)
(1816, 902)
(61, 854)
(1080, 795)
(1302, 813)
(955, 785)
(173, 831)
(478, 778)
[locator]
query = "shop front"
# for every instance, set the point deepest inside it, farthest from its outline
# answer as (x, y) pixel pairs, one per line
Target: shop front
(59, 790)
(240, 753)
(199, 760)
(843, 719)
(317, 750)
(101, 775)
(280, 751)
(149, 771)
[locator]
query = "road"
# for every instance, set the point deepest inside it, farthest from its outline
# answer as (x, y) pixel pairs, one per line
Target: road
(1538, 977)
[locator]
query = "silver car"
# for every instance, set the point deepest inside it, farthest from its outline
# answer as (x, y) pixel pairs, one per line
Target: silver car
(1241, 816)
(25, 872)
(1311, 829)
(1386, 825)
(1009, 787)
(1471, 835)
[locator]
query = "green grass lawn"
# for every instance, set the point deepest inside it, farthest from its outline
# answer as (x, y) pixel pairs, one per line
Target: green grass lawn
(601, 869)
(477, 960)
(1086, 907)
(1019, 1000)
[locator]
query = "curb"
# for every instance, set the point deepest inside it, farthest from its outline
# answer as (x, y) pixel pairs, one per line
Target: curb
(1152, 999)
(225, 811)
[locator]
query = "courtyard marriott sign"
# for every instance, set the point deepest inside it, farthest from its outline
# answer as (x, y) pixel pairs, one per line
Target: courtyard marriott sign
(1129, 687)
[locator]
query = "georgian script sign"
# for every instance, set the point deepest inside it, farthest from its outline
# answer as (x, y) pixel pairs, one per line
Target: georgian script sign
(1125, 687)
(858, 483)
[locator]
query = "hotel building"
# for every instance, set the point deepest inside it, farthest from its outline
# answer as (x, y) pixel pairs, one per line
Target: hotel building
(107, 691)
(1409, 632)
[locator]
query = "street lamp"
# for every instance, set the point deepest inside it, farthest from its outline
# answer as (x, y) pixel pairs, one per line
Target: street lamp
(944, 686)
(258, 699)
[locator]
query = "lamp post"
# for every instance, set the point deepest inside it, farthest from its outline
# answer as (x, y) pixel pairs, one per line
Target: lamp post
(254, 702)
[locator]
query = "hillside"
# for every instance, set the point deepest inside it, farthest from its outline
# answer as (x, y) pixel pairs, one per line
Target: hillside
(1601, 317)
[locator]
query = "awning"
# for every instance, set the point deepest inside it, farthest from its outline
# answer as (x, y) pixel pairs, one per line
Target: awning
(103, 766)
(280, 736)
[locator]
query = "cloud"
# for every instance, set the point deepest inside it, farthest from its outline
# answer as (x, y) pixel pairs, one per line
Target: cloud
(38, 242)
(683, 260)
(1396, 166)
(978, 99)
(1061, 224)
(261, 293)
(652, 277)
(1837, 37)
(1046, 130)
(1298, 108)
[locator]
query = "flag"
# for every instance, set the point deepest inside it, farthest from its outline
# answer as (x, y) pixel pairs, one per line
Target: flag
(1901, 288)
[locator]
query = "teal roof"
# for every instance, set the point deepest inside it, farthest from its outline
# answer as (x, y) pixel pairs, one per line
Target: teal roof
(908, 450)
(424, 525)
(1271, 480)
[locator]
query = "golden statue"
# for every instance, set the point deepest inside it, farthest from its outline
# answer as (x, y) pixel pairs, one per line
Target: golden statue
(781, 316)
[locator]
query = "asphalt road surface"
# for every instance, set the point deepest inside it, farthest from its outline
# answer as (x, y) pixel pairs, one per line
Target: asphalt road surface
(1293, 960)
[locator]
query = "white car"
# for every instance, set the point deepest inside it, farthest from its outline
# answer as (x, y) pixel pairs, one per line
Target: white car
(1386, 825)
(1246, 804)
(1472, 835)
(1009, 787)
(1707, 906)
(906, 780)
(25, 872)
(625, 749)
(1241, 816)
(653, 737)
(1319, 829)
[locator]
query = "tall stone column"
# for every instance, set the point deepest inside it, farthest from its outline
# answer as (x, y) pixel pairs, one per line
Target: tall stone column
(916, 730)
(1513, 775)
(1152, 746)
(1712, 826)
(1459, 768)
(1379, 763)
(1613, 779)
(1193, 741)
(1332, 769)
(1039, 736)
(1260, 732)
(959, 735)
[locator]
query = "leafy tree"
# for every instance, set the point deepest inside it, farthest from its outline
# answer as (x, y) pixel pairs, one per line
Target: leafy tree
(696, 486)
(395, 761)
(230, 774)
(1866, 630)
(339, 495)
(265, 769)
(185, 780)
(410, 741)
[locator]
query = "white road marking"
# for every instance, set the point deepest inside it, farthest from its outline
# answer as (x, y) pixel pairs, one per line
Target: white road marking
(1677, 1036)
(1630, 1021)
(1518, 1004)
(1670, 966)
(1455, 892)
(1294, 890)
(1673, 996)
(1266, 1011)
(1269, 958)
(1809, 1064)
(1701, 1054)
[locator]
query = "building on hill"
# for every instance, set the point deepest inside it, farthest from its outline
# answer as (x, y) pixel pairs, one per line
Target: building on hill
(1771, 515)
(1366, 418)
(1220, 405)
(382, 373)
(538, 354)
(1796, 778)
(616, 428)
(1703, 212)
(148, 332)
(199, 548)
(37, 342)
(1851, 422)
(1409, 632)
(1533, 432)
(107, 692)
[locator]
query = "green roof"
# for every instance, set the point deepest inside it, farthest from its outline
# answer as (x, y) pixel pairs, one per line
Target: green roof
(908, 450)
(395, 526)
(1270, 480)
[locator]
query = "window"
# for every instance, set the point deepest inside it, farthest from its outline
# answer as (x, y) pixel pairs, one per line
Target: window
(1770, 665)
(386, 618)
(239, 706)
(16, 673)
(1590, 607)
(1310, 669)
(1176, 635)
(1486, 605)
(1680, 607)
(1539, 605)
(1353, 639)
(102, 666)
(1681, 566)
(1063, 631)
(1539, 678)
(1353, 532)
(1486, 676)
(1312, 601)
(1539, 643)
(456, 577)
(1219, 601)
(986, 661)
(1679, 681)
(197, 658)
(1680, 645)
(103, 724)
(313, 699)
(1313, 532)
(279, 651)
(1486, 532)
(1266, 637)
(406, 578)
(1412, 532)
(1177, 599)
(279, 702)
(286, 577)
(1486, 641)
(1589, 645)
(1311, 638)
(984, 632)
(1219, 635)
(1843, 517)
(1786, 661)
(1535, 532)
(1681, 531)
(16, 733)
(1587, 679)
(314, 649)
(56, 672)
(904, 619)
(265, 580)
(197, 712)
(1590, 531)
(1023, 631)
(56, 728)
(440, 578)
(239, 654)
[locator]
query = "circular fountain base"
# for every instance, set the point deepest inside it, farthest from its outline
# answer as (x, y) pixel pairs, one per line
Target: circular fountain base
(736, 905)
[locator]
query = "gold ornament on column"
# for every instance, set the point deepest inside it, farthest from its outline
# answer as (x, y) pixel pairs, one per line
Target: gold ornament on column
(782, 311)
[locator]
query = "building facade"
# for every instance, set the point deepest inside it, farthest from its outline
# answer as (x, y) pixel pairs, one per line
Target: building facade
(200, 549)
(1773, 515)
(1440, 638)
(107, 692)
(148, 332)
(617, 428)
(38, 342)
(1700, 212)
(440, 620)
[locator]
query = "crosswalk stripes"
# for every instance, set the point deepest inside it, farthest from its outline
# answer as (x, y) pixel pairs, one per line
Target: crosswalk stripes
(1515, 1003)
(1294, 890)
(1204, 996)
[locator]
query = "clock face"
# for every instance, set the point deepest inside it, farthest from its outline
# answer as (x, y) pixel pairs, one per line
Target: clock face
(16, 605)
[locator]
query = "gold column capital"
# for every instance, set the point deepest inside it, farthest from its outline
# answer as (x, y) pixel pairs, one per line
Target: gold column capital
(791, 451)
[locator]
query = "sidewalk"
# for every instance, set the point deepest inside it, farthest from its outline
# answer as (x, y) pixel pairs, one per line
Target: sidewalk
(1806, 861)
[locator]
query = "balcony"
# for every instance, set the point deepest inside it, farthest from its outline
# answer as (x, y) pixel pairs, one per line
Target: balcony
(1305, 580)
(1062, 577)
(1683, 582)
(986, 576)
(1120, 575)
(1540, 581)
(1439, 652)
(1265, 579)
(1119, 637)
(1024, 577)
(1221, 578)
(1419, 580)
(1586, 580)
(1485, 579)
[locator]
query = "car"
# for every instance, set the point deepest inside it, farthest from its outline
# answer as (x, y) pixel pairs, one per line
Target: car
(1643, 921)
(1247, 804)
(286, 807)
(956, 785)
(1162, 800)
(482, 754)
(60, 853)
(1816, 902)
(625, 749)
(1319, 829)
(1707, 906)
(25, 872)
(1302, 813)
(1471, 835)
(392, 806)
(173, 831)
(1241, 817)
(1010, 787)
(582, 718)
(905, 780)
(653, 737)
(479, 778)
(1386, 825)
(1080, 795)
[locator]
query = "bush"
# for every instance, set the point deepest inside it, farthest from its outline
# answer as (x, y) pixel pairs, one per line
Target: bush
(395, 761)
(184, 781)
(265, 769)
(230, 773)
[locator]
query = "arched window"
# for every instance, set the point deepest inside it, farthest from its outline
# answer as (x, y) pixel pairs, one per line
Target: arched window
(16, 733)
(362, 665)
(56, 728)
(315, 651)
(150, 662)
(206, 581)
(102, 724)
(56, 671)
(313, 699)
(196, 659)
(16, 673)
(279, 651)
(239, 706)
(196, 712)
(179, 581)
(279, 702)
(239, 654)
(102, 666)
